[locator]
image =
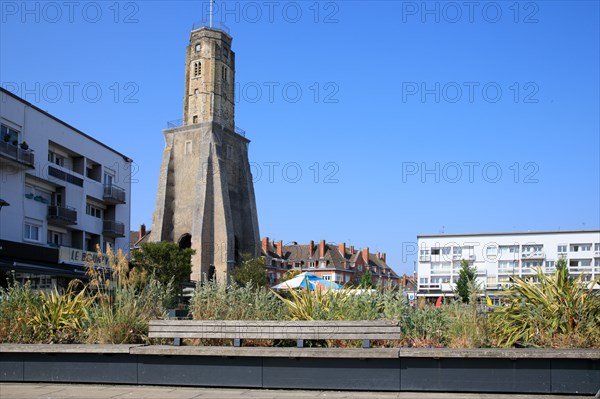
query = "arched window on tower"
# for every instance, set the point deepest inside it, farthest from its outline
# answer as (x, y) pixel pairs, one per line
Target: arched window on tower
(197, 68)
(224, 73)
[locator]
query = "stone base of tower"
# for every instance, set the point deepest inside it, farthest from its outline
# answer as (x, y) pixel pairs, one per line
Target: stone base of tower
(206, 198)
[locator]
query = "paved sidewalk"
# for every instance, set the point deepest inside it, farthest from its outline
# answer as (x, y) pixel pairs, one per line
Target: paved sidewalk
(81, 391)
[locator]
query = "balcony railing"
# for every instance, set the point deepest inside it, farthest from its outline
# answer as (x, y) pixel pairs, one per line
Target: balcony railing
(432, 286)
(62, 215)
(114, 194)
(112, 228)
(424, 258)
(16, 153)
(533, 255)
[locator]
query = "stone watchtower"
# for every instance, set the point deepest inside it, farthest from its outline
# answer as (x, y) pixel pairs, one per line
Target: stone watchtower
(205, 194)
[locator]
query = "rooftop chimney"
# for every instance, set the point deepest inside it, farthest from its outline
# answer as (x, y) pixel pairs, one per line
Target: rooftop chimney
(322, 249)
(383, 257)
(265, 245)
(142, 231)
(352, 249)
(311, 248)
(365, 254)
(342, 248)
(280, 248)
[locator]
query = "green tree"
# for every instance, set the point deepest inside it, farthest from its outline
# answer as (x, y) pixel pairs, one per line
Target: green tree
(561, 266)
(366, 280)
(165, 260)
(466, 281)
(251, 271)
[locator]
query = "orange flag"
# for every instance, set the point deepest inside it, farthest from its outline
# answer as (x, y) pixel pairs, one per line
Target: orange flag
(438, 303)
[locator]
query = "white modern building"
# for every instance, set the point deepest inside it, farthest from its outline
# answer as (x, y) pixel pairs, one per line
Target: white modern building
(62, 193)
(500, 256)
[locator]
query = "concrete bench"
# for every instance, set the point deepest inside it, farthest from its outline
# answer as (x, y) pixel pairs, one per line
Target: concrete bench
(366, 331)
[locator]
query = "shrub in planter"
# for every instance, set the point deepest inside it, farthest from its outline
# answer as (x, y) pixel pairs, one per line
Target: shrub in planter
(24, 145)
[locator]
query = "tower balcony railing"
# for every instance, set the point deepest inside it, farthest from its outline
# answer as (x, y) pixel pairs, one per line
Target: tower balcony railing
(179, 123)
(212, 25)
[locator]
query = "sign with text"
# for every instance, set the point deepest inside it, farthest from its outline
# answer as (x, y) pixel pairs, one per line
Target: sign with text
(80, 257)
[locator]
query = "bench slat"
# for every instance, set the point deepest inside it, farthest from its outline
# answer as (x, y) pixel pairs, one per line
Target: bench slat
(303, 323)
(343, 336)
(274, 330)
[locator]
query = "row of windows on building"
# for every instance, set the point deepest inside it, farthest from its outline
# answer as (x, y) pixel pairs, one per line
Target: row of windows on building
(494, 250)
(32, 232)
(92, 168)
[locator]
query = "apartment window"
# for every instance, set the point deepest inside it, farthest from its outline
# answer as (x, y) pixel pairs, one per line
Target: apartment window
(109, 178)
(550, 263)
(93, 210)
(107, 244)
(562, 249)
(423, 280)
(597, 262)
(360, 268)
(435, 251)
(597, 247)
(424, 252)
(327, 277)
(532, 248)
(311, 265)
(56, 158)
(491, 250)
(580, 262)
(581, 247)
(188, 147)
(440, 280)
(532, 264)
(457, 251)
(31, 231)
(55, 238)
(323, 264)
(197, 69)
(12, 134)
(446, 250)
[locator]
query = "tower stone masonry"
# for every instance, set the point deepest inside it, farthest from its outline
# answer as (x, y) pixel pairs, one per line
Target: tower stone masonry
(205, 196)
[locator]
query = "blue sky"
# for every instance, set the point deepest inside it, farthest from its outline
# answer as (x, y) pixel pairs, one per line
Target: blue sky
(403, 118)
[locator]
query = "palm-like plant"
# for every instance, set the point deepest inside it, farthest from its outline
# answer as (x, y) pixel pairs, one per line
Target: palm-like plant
(551, 307)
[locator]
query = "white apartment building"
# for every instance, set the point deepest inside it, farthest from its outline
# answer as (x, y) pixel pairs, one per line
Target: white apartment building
(62, 193)
(500, 256)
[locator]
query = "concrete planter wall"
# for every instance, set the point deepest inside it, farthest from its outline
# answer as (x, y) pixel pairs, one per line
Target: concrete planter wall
(449, 370)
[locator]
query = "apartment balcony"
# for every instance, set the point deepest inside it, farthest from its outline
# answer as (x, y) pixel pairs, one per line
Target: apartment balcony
(62, 215)
(432, 286)
(16, 155)
(113, 194)
(533, 255)
(111, 228)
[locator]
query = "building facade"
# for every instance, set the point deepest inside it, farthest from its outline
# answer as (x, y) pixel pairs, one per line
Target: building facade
(338, 263)
(205, 196)
(499, 257)
(64, 194)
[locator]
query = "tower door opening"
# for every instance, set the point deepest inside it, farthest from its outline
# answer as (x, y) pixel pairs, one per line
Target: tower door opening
(185, 241)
